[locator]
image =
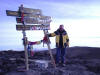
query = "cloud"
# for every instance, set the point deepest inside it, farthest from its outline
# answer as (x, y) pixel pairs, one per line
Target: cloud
(70, 9)
(60, 8)
(64, 10)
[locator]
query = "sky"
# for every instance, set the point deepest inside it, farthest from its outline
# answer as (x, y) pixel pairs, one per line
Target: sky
(81, 19)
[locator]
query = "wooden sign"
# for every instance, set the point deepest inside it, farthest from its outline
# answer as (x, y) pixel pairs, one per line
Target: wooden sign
(36, 21)
(29, 20)
(11, 13)
(45, 17)
(27, 11)
(16, 13)
(30, 10)
(32, 27)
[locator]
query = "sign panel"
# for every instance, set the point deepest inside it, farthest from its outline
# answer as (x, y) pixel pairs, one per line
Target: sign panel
(29, 20)
(11, 13)
(16, 13)
(45, 17)
(25, 10)
(30, 10)
(32, 27)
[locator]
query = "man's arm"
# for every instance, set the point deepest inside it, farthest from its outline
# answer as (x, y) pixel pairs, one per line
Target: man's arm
(53, 34)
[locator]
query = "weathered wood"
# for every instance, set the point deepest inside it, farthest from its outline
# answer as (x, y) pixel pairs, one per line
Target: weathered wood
(29, 20)
(32, 27)
(45, 17)
(31, 10)
(48, 44)
(27, 15)
(26, 58)
(11, 13)
(21, 27)
(16, 14)
(30, 16)
(26, 11)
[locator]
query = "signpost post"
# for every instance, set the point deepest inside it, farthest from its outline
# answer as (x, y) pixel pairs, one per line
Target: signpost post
(24, 37)
(30, 19)
(48, 44)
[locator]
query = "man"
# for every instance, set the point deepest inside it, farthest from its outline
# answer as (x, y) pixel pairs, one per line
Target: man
(62, 41)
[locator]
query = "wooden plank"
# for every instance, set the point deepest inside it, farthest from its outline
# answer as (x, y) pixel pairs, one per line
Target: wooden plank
(31, 10)
(29, 20)
(41, 19)
(45, 17)
(11, 13)
(32, 27)
(31, 15)
(22, 27)
(26, 58)
(27, 12)
(16, 13)
(48, 44)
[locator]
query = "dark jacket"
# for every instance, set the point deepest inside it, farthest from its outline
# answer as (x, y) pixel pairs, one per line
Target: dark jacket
(62, 39)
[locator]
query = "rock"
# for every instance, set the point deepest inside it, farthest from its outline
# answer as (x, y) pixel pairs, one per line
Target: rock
(30, 72)
(79, 61)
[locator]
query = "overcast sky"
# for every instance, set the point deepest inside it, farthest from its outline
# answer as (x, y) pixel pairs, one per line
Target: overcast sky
(81, 19)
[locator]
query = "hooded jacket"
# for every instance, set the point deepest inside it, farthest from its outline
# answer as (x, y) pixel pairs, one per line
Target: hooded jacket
(61, 38)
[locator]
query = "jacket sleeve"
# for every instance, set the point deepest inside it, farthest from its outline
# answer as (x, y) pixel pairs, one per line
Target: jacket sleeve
(67, 40)
(52, 34)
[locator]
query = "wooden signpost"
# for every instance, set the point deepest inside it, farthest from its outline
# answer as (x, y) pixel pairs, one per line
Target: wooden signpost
(16, 14)
(33, 20)
(25, 10)
(32, 27)
(30, 19)
(48, 44)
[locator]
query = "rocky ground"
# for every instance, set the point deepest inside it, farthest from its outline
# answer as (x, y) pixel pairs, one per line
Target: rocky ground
(79, 61)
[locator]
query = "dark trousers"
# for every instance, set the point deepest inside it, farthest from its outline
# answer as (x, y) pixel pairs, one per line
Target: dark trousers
(60, 54)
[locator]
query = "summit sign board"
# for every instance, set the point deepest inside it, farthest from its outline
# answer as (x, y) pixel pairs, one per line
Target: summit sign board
(31, 16)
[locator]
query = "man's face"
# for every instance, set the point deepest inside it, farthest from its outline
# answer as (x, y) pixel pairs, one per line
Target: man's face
(61, 27)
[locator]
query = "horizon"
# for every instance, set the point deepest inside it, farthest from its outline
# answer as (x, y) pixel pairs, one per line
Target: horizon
(81, 19)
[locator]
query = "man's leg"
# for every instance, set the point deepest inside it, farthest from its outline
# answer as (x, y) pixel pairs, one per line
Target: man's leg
(57, 55)
(63, 55)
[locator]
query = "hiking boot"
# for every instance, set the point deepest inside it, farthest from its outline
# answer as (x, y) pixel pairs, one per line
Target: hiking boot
(63, 65)
(57, 65)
